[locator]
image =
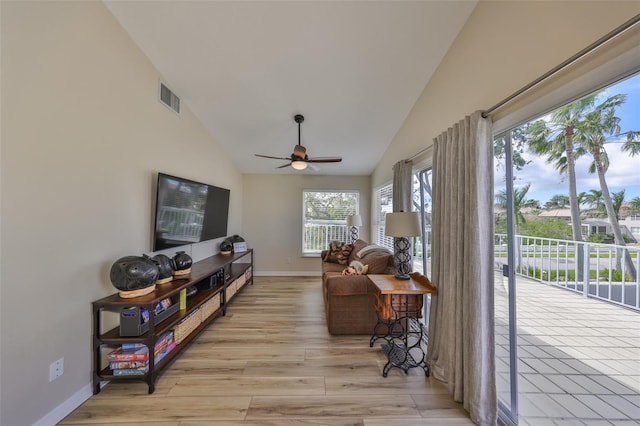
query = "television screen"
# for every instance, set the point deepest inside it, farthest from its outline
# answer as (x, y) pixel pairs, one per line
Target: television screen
(188, 212)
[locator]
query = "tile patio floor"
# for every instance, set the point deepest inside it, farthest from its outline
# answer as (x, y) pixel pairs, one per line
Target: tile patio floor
(579, 358)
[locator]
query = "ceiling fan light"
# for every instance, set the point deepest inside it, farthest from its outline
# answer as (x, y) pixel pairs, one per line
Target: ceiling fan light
(299, 165)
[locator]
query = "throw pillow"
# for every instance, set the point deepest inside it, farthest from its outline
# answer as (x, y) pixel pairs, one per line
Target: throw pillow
(370, 248)
(338, 252)
(359, 245)
(378, 261)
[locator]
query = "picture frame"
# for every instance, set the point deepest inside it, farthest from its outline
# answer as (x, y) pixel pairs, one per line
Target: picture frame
(240, 247)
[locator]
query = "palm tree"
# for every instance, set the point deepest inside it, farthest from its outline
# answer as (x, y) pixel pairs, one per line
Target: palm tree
(597, 126)
(534, 204)
(558, 201)
(519, 202)
(594, 200)
(555, 138)
(635, 205)
(617, 198)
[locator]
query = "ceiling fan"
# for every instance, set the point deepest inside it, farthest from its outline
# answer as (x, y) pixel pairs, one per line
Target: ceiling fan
(299, 159)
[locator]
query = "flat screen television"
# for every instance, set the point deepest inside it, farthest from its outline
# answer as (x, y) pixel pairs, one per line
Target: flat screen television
(188, 212)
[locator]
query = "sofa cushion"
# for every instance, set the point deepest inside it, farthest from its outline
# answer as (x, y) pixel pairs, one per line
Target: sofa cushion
(338, 252)
(329, 268)
(379, 261)
(357, 246)
(337, 285)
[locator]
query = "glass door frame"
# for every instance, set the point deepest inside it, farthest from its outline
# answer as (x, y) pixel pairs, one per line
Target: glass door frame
(508, 414)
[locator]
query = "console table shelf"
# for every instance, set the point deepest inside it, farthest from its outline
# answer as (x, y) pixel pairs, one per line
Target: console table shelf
(234, 272)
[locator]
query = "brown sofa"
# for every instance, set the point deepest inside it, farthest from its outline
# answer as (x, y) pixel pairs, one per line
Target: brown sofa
(349, 300)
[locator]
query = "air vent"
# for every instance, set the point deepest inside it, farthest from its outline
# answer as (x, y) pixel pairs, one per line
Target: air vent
(170, 99)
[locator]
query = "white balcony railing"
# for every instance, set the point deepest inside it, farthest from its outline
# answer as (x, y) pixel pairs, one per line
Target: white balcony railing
(596, 270)
(318, 234)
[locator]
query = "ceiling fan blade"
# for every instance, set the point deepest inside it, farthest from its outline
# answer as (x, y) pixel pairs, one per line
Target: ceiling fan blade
(284, 165)
(275, 158)
(313, 167)
(324, 160)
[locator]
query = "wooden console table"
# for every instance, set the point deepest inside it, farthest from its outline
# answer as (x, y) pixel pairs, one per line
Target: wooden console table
(398, 306)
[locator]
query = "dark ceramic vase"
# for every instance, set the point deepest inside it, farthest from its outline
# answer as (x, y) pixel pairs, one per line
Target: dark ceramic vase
(226, 247)
(181, 261)
(133, 273)
(164, 265)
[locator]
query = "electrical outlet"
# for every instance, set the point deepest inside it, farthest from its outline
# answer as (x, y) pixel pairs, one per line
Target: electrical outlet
(56, 369)
(288, 260)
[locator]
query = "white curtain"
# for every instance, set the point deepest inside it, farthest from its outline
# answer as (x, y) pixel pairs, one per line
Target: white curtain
(461, 328)
(402, 179)
(402, 198)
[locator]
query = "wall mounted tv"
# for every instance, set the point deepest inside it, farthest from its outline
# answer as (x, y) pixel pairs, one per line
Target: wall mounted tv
(188, 212)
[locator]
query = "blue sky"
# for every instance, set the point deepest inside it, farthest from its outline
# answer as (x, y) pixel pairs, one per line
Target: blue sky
(623, 173)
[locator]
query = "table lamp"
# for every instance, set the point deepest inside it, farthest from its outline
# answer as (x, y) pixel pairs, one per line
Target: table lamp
(354, 221)
(402, 225)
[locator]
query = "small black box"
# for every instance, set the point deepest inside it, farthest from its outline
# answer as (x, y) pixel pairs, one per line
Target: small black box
(132, 322)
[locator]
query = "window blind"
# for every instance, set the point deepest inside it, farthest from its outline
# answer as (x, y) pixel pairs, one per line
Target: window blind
(383, 204)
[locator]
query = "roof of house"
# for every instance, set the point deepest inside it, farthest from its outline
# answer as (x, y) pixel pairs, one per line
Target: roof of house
(556, 213)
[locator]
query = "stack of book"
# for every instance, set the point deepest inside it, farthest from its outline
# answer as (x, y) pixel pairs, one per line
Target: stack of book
(132, 359)
(164, 345)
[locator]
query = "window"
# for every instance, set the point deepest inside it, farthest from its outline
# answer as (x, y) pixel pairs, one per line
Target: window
(383, 204)
(325, 218)
(422, 193)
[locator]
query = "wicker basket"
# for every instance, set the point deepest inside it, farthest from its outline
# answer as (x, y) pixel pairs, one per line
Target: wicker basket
(186, 326)
(231, 290)
(209, 307)
(240, 282)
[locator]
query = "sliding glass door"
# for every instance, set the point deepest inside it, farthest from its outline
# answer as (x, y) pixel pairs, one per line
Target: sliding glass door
(567, 260)
(504, 282)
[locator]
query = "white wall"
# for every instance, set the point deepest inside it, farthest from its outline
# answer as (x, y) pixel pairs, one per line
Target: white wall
(272, 218)
(82, 137)
(503, 46)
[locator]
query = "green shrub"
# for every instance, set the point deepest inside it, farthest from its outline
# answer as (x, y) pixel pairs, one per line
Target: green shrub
(615, 275)
(601, 238)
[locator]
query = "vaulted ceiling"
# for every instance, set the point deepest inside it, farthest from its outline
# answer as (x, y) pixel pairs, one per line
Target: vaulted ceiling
(354, 69)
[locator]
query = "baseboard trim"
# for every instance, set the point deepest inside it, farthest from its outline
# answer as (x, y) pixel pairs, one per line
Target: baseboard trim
(64, 409)
(288, 274)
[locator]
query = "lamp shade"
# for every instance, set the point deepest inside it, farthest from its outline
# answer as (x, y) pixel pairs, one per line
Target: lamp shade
(354, 220)
(402, 224)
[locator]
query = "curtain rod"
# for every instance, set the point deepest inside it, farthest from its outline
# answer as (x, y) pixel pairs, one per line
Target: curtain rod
(418, 154)
(584, 52)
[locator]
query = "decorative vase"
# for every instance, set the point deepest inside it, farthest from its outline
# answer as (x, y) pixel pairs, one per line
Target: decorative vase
(181, 263)
(166, 268)
(226, 247)
(134, 276)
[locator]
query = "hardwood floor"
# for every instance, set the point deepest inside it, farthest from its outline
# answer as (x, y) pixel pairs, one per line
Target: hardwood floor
(271, 361)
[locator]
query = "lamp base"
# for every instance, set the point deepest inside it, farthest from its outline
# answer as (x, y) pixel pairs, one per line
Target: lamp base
(354, 234)
(402, 258)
